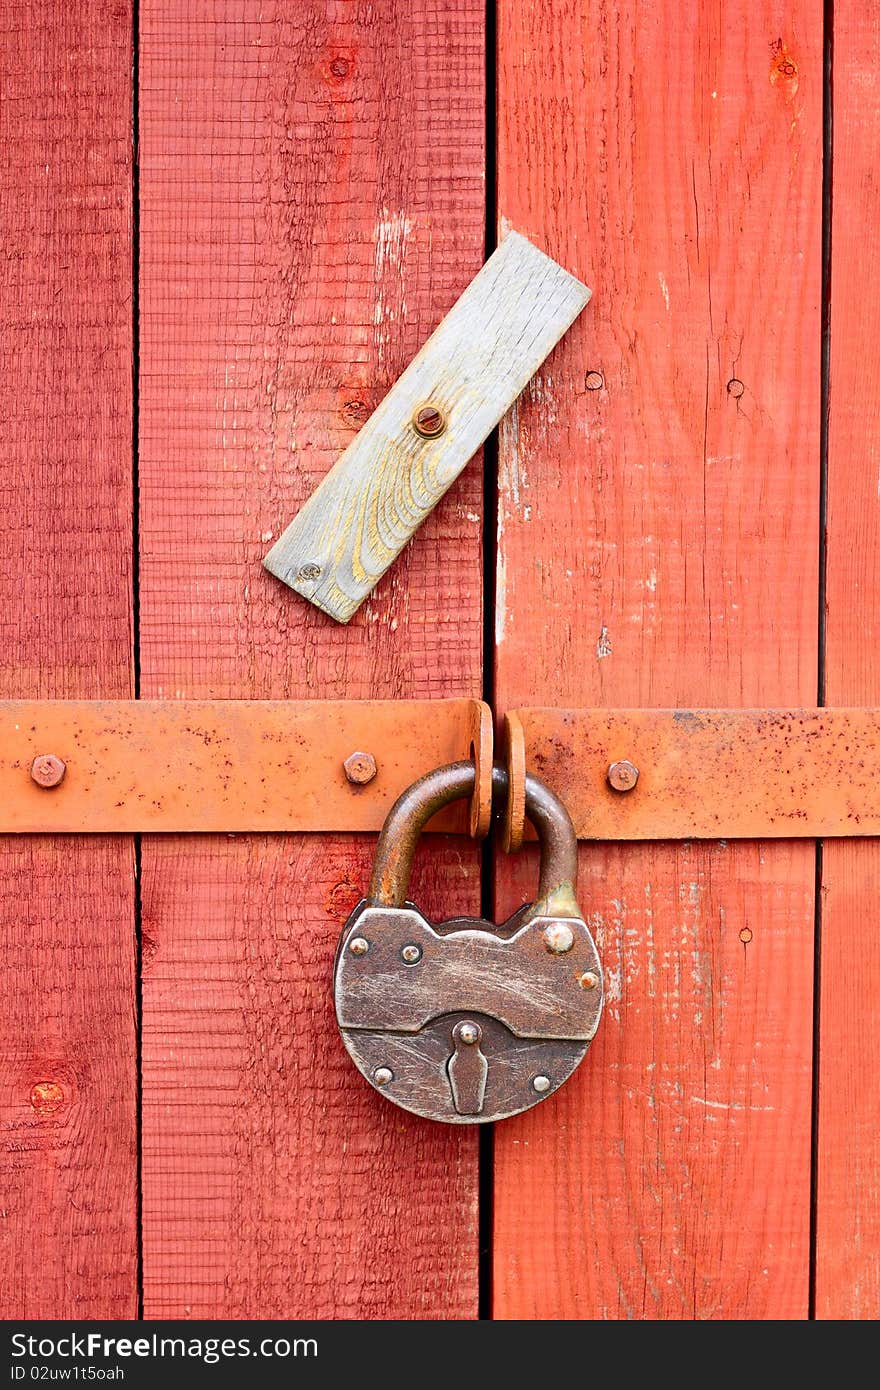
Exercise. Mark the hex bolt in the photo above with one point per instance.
(47, 770)
(469, 1033)
(429, 422)
(359, 946)
(541, 1084)
(411, 954)
(360, 768)
(623, 775)
(382, 1076)
(588, 980)
(558, 937)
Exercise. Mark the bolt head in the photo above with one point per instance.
(383, 1075)
(360, 768)
(558, 938)
(47, 770)
(623, 775)
(469, 1033)
(588, 980)
(411, 954)
(541, 1084)
(429, 422)
(359, 946)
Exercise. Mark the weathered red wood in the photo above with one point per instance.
(658, 546)
(312, 204)
(848, 1177)
(68, 1240)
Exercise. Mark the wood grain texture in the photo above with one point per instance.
(312, 205)
(658, 525)
(848, 1179)
(471, 370)
(68, 1240)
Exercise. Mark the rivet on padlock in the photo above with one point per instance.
(464, 1021)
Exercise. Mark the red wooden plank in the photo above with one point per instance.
(848, 1179)
(658, 524)
(312, 201)
(67, 1043)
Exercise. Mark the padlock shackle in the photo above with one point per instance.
(557, 878)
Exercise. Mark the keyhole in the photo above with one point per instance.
(467, 1068)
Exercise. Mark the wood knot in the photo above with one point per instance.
(46, 1097)
(783, 68)
(343, 898)
(355, 412)
(337, 68)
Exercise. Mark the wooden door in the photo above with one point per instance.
(209, 282)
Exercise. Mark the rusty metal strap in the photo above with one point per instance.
(228, 765)
(711, 774)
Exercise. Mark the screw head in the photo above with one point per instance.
(411, 954)
(541, 1084)
(594, 381)
(308, 572)
(429, 422)
(735, 388)
(359, 946)
(360, 768)
(588, 980)
(47, 770)
(558, 937)
(382, 1076)
(469, 1033)
(623, 775)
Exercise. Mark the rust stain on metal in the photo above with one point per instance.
(224, 765)
(712, 774)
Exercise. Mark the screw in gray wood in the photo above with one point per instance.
(429, 422)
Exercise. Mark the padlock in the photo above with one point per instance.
(465, 1021)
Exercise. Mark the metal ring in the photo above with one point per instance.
(414, 808)
(515, 758)
(482, 737)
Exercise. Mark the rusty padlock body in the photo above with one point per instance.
(465, 1021)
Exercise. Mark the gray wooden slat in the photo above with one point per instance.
(472, 369)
